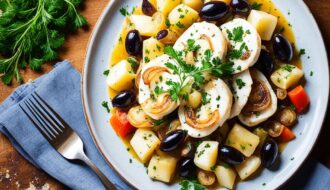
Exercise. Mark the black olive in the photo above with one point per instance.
(162, 34)
(230, 155)
(133, 43)
(214, 11)
(173, 140)
(282, 48)
(124, 99)
(269, 153)
(148, 8)
(187, 168)
(241, 7)
(265, 62)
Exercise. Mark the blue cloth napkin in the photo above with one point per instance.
(61, 90)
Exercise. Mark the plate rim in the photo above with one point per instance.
(88, 50)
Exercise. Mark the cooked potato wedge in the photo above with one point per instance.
(286, 76)
(243, 140)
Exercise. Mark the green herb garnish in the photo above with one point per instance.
(256, 6)
(240, 83)
(106, 106)
(32, 31)
(186, 71)
(191, 185)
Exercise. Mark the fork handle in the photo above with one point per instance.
(107, 184)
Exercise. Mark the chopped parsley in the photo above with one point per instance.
(191, 185)
(236, 35)
(288, 68)
(134, 63)
(192, 46)
(106, 106)
(201, 153)
(179, 24)
(146, 59)
(130, 160)
(207, 145)
(240, 83)
(106, 72)
(302, 52)
(124, 11)
(205, 100)
(256, 6)
(158, 90)
(311, 73)
(167, 22)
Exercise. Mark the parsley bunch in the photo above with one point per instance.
(32, 30)
(187, 71)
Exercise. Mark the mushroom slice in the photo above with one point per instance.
(208, 36)
(262, 102)
(137, 117)
(241, 86)
(153, 96)
(209, 116)
(244, 41)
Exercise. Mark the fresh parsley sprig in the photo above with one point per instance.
(187, 71)
(31, 32)
(191, 185)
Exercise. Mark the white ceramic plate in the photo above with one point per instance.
(94, 92)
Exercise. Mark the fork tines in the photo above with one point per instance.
(47, 121)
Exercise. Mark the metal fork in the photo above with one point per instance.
(58, 133)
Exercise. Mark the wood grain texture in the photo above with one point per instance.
(17, 173)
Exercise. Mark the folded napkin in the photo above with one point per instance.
(61, 90)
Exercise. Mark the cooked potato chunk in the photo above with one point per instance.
(264, 23)
(182, 17)
(195, 4)
(121, 76)
(162, 167)
(144, 142)
(226, 176)
(112, 93)
(148, 26)
(286, 76)
(206, 155)
(248, 167)
(165, 6)
(243, 140)
(119, 51)
(226, 1)
(152, 48)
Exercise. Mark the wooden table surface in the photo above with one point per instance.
(17, 173)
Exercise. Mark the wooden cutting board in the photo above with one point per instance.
(17, 173)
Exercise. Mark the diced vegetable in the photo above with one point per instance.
(144, 142)
(299, 98)
(243, 140)
(182, 17)
(194, 4)
(226, 176)
(206, 155)
(165, 6)
(119, 52)
(121, 76)
(286, 135)
(112, 93)
(148, 26)
(248, 167)
(120, 123)
(286, 76)
(264, 23)
(162, 167)
(152, 48)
